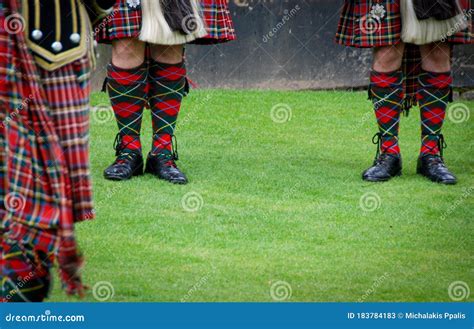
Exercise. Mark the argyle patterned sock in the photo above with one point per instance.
(386, 92)
(128, 94)
(433, 96)
(168, 86)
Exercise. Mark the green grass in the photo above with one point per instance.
(281, 201)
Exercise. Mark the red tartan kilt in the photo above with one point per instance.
(125, 22)
(26, 273)
(357, 30)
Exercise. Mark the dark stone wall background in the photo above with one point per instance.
(297, 53)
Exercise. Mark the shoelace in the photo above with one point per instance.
(441, 143)
(119, 150)
(174, 149)
(167, 159)
(380, 157)
(377, 139)
(118, 147)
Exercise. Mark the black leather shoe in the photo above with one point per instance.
(385, 167)
(127, 165)
(164, 167)
(433, 167)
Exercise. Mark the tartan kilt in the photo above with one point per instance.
(357, 29)
(45, 181)
(125, 22)
(26, 273)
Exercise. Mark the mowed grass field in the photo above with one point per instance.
(277, 210)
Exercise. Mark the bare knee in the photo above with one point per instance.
(436, 57)
(387, 59)
(128, 53)
(167, 54)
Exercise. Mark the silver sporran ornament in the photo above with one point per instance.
(133, 3)
(378, 11)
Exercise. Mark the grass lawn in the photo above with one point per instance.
(270, 202)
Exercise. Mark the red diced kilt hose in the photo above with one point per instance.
(125, 22)
(44, 153)
(356, 30)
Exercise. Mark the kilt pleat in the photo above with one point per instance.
(25, 273)
(44, 150)
(125, 22)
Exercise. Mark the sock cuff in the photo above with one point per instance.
(154, 63)
(127, 76)
(392, 79)
(165, 71)
(439, 80)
